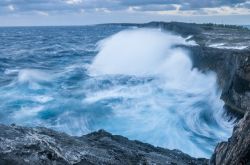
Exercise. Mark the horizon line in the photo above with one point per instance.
(109, 23)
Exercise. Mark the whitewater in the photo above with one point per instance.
(138, 83)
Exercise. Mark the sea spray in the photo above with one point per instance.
(142, 53)
(162, 100)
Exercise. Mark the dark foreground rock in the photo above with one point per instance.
(237, 150)
(22, 146)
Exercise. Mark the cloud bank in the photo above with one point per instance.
(123, 7)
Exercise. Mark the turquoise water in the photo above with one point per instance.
(134, 83)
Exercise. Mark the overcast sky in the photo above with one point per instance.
(82, 12)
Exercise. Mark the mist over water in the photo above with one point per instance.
(133, 82)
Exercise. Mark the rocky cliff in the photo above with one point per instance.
(22, 146)
(224, 49)
(237, 150)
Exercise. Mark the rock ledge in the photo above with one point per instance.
(24, 145)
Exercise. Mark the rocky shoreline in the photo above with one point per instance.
(22, 145)
(223, 49)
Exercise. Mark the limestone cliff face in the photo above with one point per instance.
(238, 92)
(236, 151)
(233, 72)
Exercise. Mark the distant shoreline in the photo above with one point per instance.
(132, 23)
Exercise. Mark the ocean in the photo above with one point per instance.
(129, 81)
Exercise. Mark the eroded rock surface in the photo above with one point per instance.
(237, 150)
(22, 146)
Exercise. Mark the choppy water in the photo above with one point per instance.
(135, 83)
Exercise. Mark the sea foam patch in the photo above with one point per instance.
(225, 46)
(32, 75)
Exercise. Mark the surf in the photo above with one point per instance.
(156, 95)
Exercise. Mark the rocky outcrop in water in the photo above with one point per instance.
(237, 150)
(22, 146)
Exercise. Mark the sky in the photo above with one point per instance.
(88, 12)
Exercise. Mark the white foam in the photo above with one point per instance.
(27, 112)
(142, 53)
(189, 37)
(224, 46)
(10, 71)
(33, 75)
(42, 98)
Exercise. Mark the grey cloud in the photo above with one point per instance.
(196, 4)
(53, 5)
(90, 5)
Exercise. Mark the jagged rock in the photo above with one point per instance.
(23, 145)
(237, 150)
(233, 72)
